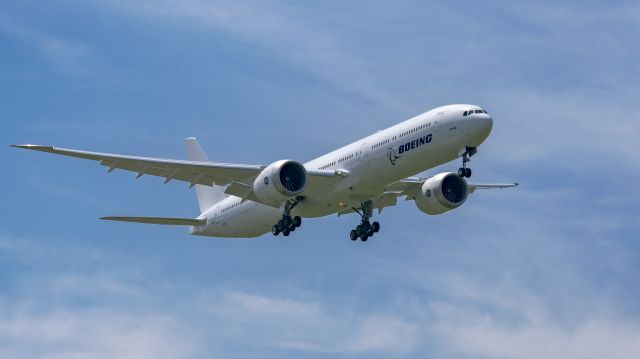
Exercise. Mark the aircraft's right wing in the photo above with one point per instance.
(238, 177)
(160, 220)
(193, 172)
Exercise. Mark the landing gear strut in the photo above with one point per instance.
(365, 229)
(466, 157)
(287, 224)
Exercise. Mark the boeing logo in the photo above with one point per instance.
(393, 156)
(415, 143)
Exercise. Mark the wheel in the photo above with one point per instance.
(366, 226)
(375, 226)
(292, 228)
(280, 225)
(467, 172)
(353, 235)
(364, 238)
(359, 230)
(274, 230)
(370, 233)
(462, 172)
(297, 221)
(285, 233)
(287, 221)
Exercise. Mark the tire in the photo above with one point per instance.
(359, 230)
(280, 225)
(375, 226)
(462, 172)
(353, 235)
(467, 173)
(370, 233)
(364, 238)
(292, 228)
(297, 221)
(274, 230)
(285, 233)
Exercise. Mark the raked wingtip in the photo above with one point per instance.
(34, 147)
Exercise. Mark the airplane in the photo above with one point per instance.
(245, 200)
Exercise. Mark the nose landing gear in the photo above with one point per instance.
(365, 229)
(466, 157)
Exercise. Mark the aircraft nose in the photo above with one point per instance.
(487, 124)
(481, 126)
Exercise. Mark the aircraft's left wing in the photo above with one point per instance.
(411, 186)
(193, 172)
(474, 186)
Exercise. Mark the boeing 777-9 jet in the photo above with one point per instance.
(240, 200)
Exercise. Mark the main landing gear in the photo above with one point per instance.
(464, 171)
(287, 224)
(365, 229)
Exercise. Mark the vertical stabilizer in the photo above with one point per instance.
(207, 196)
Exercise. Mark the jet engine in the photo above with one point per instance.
(441, 193)
(280, 181)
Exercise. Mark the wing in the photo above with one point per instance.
(194, 172)
(412, 185)
(239, 178)
(160, 220)
(474, 186)
(410, 188)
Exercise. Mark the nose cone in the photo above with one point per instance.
(481, 127)
(487, 126)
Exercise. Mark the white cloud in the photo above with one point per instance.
(65, 55)
(596, 339)
(285, 30)
(382, 333)
(92, 334)
(515, 323)
(308, 325)
(97, 315)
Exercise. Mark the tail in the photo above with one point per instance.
(207, 196)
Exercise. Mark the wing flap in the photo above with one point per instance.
(160, 220)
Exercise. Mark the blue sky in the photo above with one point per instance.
(549, 269)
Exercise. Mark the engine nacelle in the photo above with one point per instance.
(280, 181)
(442, 192)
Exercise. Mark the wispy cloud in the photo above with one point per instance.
(66, 191)
(92, 333)
(71, 57)
(308, 325)
(518, 324)
(285, 30)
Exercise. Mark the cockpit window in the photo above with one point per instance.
(471, 112)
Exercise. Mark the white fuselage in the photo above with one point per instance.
(406, 149)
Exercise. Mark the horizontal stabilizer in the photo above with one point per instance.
(160, 220)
